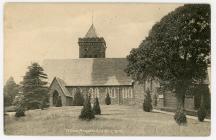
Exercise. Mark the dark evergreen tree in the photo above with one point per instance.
(176, 51)
(34, 86)
(147, 104)
(107, 99)
(87, 112)
(78, 98)
(201, 113)
(96, 107)
(11, 89)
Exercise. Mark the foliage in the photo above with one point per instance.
(96, 107)
(107, 99)
(87, 112)
(19, 101)
(35, 88)
(11, 89)
(176, 51)
(78, 98)
(180, 117)
(147, 106)
(201, 113)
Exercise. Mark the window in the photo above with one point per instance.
(131, 92)
(113, 93)
(97, 92)
(123, 92)
(91, 92)
(73, 91)
(126, 92)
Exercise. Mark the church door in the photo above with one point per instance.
(56, 99)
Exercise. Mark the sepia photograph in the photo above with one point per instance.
(107, 69)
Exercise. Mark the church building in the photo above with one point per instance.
(91, 73)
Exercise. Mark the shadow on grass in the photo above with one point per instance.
(114, 114)
(154, 112)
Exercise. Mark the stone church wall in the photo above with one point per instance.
(118, 94)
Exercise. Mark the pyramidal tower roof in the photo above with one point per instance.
(91, 32)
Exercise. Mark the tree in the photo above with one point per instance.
(19, 102)
(176, 52)
(107, 99)
(78, 98)
(204, 102)
(34, 86)
(96, 107)
(87, 112)
(11, 89)
(147, 104)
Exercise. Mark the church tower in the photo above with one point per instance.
(92, 46)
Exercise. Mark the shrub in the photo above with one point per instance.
(180, 118)
(96, 107)
(19, 102)
(201, 113)
(147, 106)
(107, 99)
(20, 107)
(78, 98)
(20, 112)
(87, 112)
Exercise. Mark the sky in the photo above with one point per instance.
(34, 32)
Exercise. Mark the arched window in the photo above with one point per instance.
(123, 92)
(131, 92)
(91, 92)
(74, 90)
(112, 92)
(126, 92)
(97, 92)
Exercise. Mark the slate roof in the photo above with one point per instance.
(88, 71)
(91, 32)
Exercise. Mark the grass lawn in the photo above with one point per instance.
(115, 121)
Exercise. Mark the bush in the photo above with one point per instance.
(180, 118)
(96, 107)
(201, 113)
(19, 103)
(107, 99)
(78, 98)
(87, 112)
(20, 109)
(147, 106)
(20, 112)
